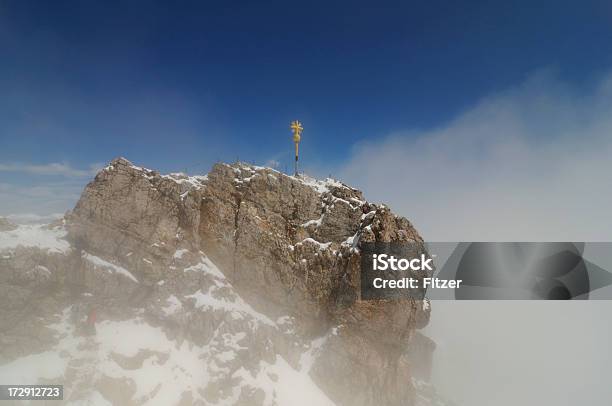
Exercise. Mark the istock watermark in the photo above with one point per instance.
(486, 270)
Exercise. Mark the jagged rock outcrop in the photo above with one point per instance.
(242, 250)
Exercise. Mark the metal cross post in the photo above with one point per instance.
(297, 128)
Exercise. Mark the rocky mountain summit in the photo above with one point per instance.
(240, 287)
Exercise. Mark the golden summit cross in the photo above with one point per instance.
(297, 129)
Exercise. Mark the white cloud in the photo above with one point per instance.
(530, 163)
(51, 169)
(22, 193)
(513, 352)
(42, 198)
(31, 218)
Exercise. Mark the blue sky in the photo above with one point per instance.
(178, 87)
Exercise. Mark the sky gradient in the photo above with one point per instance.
(177, 88)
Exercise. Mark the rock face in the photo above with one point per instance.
(243, 250)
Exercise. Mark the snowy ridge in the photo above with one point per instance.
(51, 239)
(187, 182)
(320, 186)
(194, 181)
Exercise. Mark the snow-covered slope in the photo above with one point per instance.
(144, 365)
(136, 358)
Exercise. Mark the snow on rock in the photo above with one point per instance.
(320, 186)
(183, 179)
(39, 272)
(157, 382)
(162, 370)
(234, 305)
(322, 246)
(30, 369)
(94, 398)
(220, 295)
(179, 253)
(206, 266)
(353, 240)
(159, 370)
(309, 356)
(40, 236)
(112, 268)
(280, 383)
(173, 305)
(316, 223)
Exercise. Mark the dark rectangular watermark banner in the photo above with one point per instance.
(486, 270)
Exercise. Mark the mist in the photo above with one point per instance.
(528, 353)
(530, 163)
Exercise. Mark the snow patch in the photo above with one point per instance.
(94, 398)
(322, 246)
(316, 223)
(173, 306)
(283, 385)
(112, 268)
(40, 236)
(28, 370)
(179, 253)
(206, 266)
(236, 306)
(308, 358)
(320, 186)
(193, 182)
(157, 383)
